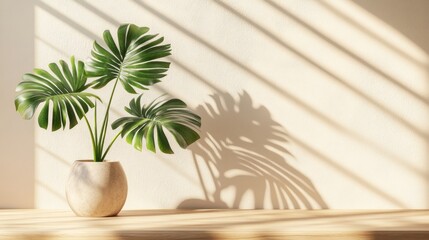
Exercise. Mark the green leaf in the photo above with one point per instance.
(61, 92)
(148, 123)
(133, 59)
(138, 138)
(150, 138)
(44, 116)
(185, 132)
(163, 143)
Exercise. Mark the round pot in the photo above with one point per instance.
(96, 189)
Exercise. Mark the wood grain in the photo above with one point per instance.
(217, 224)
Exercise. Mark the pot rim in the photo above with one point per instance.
(92, 161)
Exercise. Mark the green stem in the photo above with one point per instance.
(94, 145)
(98, 152)
(95, 119)
(105, 121)
(110, 145)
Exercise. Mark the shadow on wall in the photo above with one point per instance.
(411, 19)
(408, 17)
(244, 150)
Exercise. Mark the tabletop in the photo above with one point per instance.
(217, 224)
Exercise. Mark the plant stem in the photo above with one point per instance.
(97, 150)
(110, 145)
(102, 137)
(94, 144)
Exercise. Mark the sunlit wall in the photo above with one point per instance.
(304, 104)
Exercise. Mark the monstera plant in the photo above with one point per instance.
(136, 60)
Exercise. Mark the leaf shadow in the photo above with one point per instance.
(245, 151)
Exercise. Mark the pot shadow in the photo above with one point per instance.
(244, 150)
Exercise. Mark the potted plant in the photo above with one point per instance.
(98, 187)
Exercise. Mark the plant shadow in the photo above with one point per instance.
(244, 151)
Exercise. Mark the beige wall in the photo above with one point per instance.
(16, 136)
(305, 104)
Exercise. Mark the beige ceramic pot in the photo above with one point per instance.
(96, 189)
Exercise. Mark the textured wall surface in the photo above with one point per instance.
(304, 104)
(17, 146)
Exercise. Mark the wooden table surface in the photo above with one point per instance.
(217, 224)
